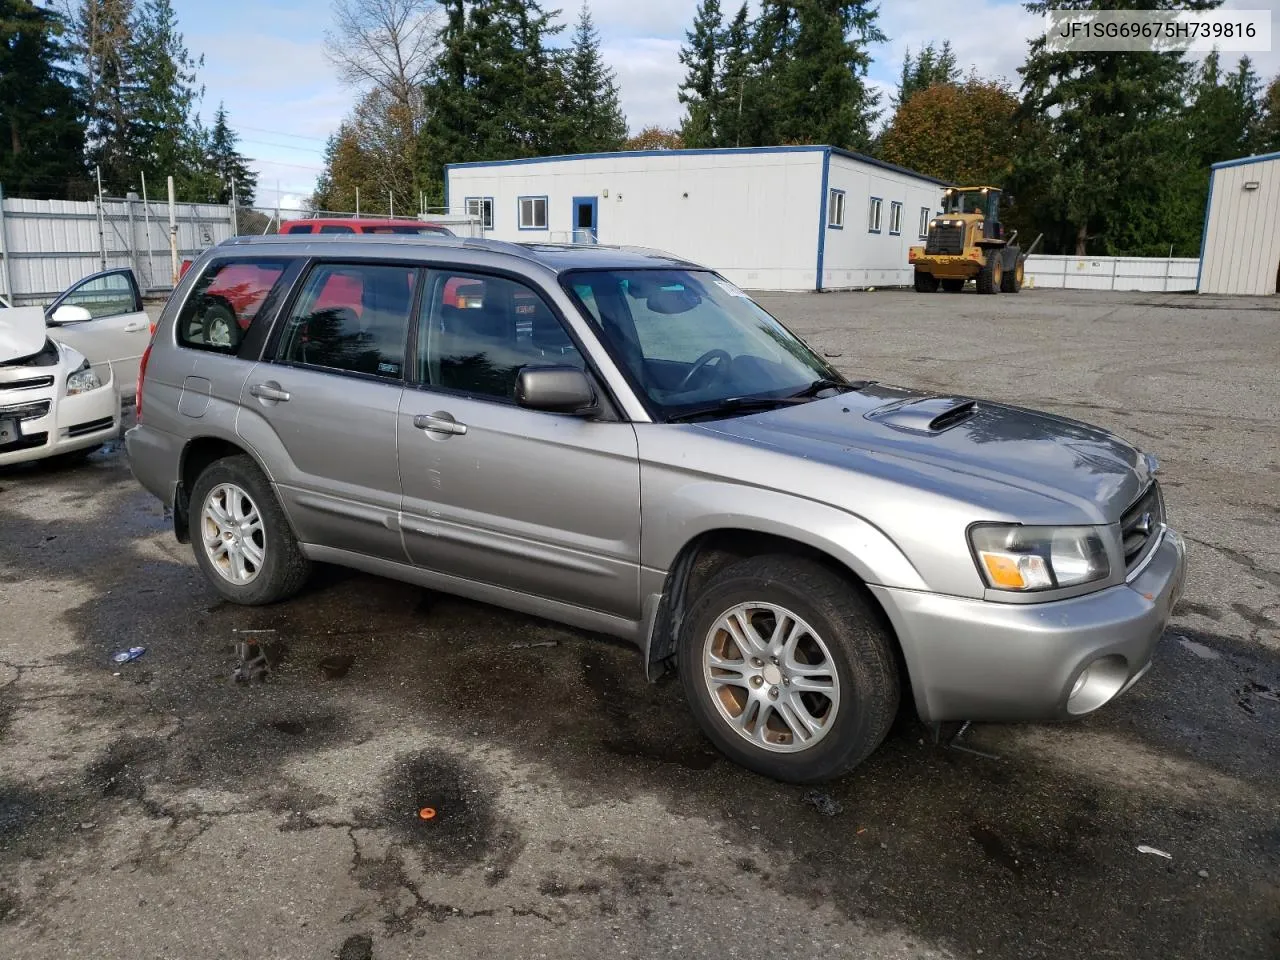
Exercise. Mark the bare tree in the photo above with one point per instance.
(386, 45)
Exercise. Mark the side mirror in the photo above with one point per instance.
(555, 390)
(69, 313)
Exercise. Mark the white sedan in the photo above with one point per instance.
(102, 317)
(53, 401)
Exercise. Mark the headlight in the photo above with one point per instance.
(82, 380)
(1039, 558)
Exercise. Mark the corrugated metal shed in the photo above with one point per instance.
(1240, 249)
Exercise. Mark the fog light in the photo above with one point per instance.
(1080, 682)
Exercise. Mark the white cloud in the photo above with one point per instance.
(640, 18)
(986, 35)
(648, 72)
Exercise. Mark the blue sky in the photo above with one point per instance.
(265, 59)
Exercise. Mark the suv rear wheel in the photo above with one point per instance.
(240, 536)
(788, 669)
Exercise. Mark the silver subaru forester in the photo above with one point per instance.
(628, 443)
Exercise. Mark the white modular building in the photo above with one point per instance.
(767, 218)
(1240, 247)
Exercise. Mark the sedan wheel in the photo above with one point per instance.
(234, 537)
(771, 676)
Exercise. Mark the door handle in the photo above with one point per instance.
(269, 391)
(135, 327)
(439, 425)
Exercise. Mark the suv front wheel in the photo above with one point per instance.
(788, 670)
(240, 536)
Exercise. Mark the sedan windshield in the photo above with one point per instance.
(696, 345)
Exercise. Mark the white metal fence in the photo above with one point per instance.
(1159, 274)
(46, 245)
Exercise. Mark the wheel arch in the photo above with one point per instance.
(709, 551)
(197, 454)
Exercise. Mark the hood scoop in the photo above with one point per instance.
(926, 416)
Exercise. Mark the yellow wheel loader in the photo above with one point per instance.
(966, 241)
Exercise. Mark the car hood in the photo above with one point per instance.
(1072, 462)
(22, 332)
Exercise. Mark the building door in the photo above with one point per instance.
(585, 226)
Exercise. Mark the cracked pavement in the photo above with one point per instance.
(159, 809)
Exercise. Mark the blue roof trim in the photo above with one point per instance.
(1243, 161)
(1204, 230)
(721, 151)
(822, 217)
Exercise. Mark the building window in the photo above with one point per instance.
(482, 209)
(873, 215)
(835, 209)
(533, 213)
(895, 218)
(924, 223)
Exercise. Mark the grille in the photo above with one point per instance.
(26, 411)
(945, 240)
(31, 383)
(1140, 523)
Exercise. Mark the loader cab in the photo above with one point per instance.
(981, 202)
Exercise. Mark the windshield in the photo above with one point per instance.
(692, 341)
(965, 201)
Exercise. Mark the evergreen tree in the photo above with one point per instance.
(1266, 130)
(731, 86)
(495, 89)
(929, 66)
(163, 137)
(227, 164)
(1224, 111)
(772, 39)
(1107, 167)
(41, 137)
(596, 122)
(822, 93)
(701, 57)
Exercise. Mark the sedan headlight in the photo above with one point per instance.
(1039, 558)
(82, 380)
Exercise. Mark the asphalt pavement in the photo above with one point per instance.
(481, 784)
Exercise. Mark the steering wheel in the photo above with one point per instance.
(702, 361)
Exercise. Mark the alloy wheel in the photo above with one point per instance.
(235, 539)
(771, 677)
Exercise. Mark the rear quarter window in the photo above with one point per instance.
(227, 300)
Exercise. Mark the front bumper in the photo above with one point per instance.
(72, 423)
(946, 266)
(979, 660)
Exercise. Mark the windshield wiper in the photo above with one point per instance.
(733, 405)
(827, 383)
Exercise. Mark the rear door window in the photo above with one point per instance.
(227, 300)
(335, 228)
(351, 318)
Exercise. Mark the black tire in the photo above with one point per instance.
(953, 285)
(926, 282)
(284, 570)
(861, 651)
(218, 325)
(992, 273)
(1012, 280)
